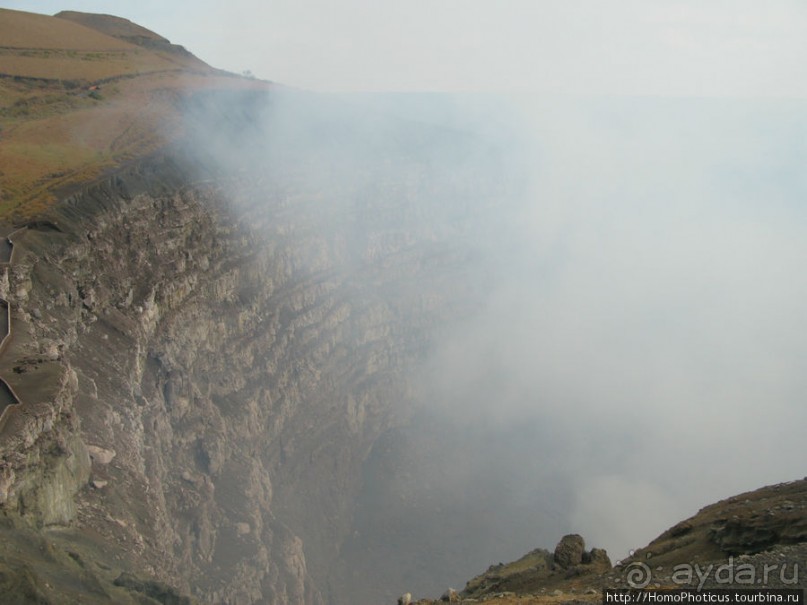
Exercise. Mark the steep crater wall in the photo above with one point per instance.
(204, 368)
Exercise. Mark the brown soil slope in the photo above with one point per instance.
(76, 102)
(117, 27)
(125, 30)
(38, 46)
(24, 30)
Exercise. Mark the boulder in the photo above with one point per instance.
(599, 557)
(569, 551)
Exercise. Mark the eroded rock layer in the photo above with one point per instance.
(204, 363)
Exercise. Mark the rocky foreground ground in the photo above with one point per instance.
(754, 540)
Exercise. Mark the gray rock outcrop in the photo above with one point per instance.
(569, 551)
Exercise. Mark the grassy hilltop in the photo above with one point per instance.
(83, 93)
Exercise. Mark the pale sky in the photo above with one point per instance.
(620, 47)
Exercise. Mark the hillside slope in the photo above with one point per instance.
(125, 30)
(757, 539)
(75, 101)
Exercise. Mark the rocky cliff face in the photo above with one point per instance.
(204, 363)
